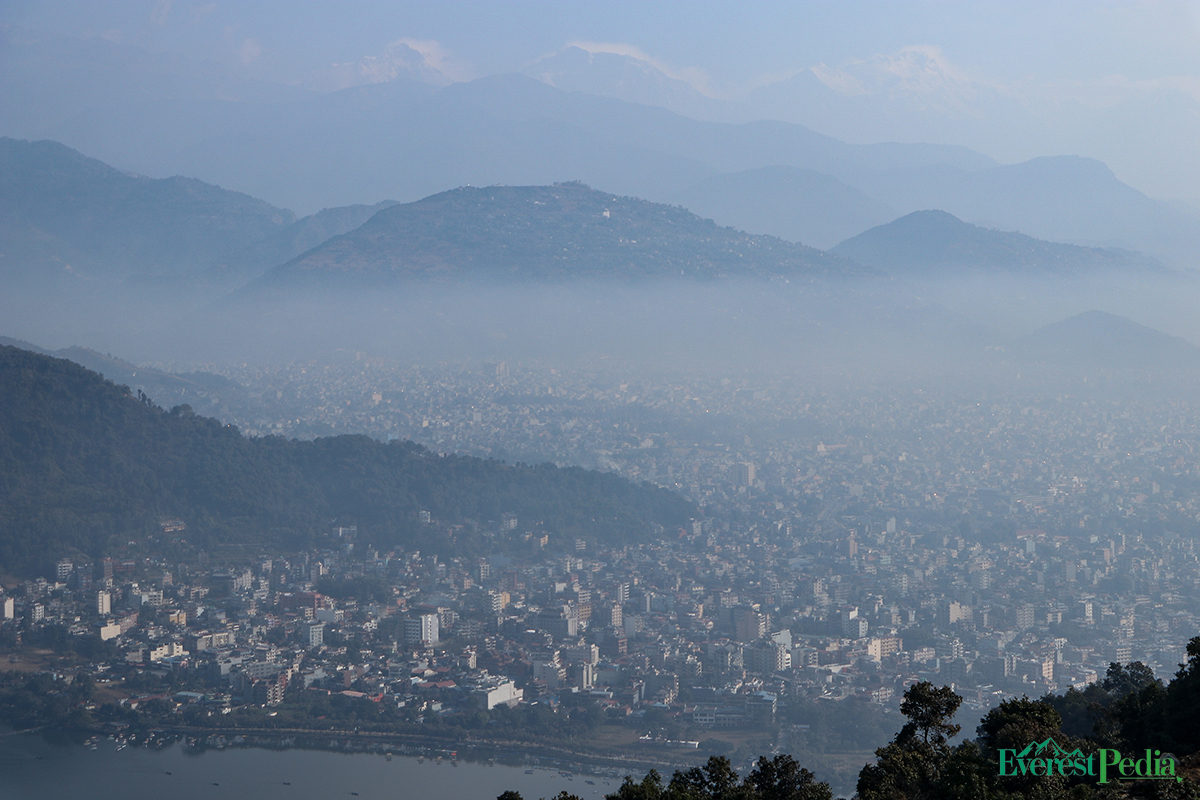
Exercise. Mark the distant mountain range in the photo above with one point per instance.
(409, 138)
(65, 212)
(560, 232)
(69, 216)
(299, 237)
(86, 248)
(64, 215)
(935, 244)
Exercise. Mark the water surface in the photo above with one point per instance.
(34, 767)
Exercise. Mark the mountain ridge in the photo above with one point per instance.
(564, 231)
(165, 387)
(935, 243)
(63, 209)
(87, 464)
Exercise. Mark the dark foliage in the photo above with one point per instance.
(28, 701)
(917, 757)
(778, 778)
(364, 589)
(1130, 710)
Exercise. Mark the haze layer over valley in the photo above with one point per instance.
(552, 273)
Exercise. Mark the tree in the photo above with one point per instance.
(1014, 725)
(1123, 680)
(1085, 714)
(716, 780)
(1178, 704)
(778, 778)
(1017, 722)
(782, 778)
(910, 766)
(929, 710)
(649, 788)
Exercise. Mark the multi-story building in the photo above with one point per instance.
(315, 633)
(421, 629)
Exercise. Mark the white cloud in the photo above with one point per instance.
(418, 59)
(439, 58)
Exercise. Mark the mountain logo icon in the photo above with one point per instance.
(1048, 749)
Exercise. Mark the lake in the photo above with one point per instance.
(35, 768)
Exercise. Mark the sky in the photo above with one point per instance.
(1118, 81)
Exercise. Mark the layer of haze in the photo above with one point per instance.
(964, 332)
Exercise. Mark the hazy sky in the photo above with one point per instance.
(1119, 81)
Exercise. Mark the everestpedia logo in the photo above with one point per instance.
(1046, 759)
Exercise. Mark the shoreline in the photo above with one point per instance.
(389, 743)
(472, 749)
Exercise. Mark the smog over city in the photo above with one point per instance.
(670, 401)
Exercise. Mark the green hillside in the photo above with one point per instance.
(560, 232)
(84, 464)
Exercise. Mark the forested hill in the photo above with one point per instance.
(937, 244)
(84, 464)
(64, 213)
(567, 231)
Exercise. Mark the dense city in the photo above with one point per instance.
(846, 546)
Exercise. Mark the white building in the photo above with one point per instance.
(505, 693)
(168, 650)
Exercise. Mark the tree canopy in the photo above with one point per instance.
(776, 778)
(1129, 710)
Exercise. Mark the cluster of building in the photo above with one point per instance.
(846, 546)
(715, 625)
